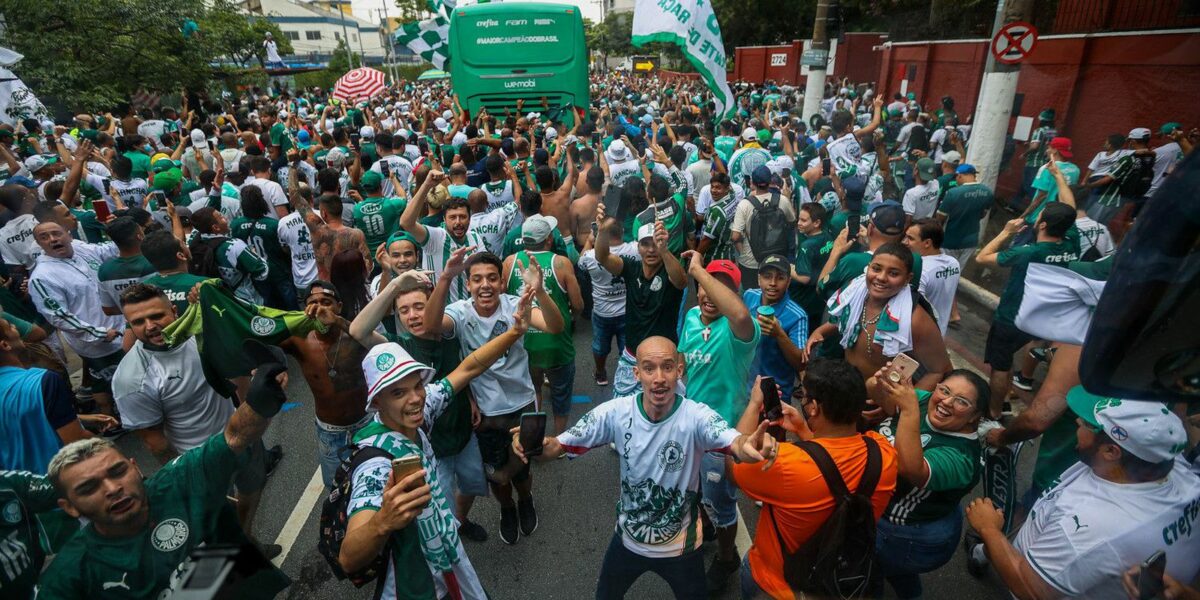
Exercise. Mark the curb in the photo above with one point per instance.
(978, 294)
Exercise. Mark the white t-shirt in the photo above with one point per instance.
(398, 165)
(704, 199)
(1166, 157)
(168, 388)
(272, 191)
(660, 468)
(493, 226)
(499, 194)
(1102, 164)
(845, 153)
(1093, 234)
(19, 248)
(1083, 534)
(920, 201)
(939, 282)
(293, 232)
(608, 290)
(132, 192)
(701, 172)
(619, 172)
(505, 387)
(272, 51)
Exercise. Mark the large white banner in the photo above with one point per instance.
(692, 25)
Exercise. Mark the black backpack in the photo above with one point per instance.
(1137, 181)
(770, 231)
(334, 517)
(204, 256)
(918, 139)
(838, 561)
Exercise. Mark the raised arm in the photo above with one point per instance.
(409, 219)
(728, 302)
(675, 271)
(547, 316)
(611, 262)
(435, 309)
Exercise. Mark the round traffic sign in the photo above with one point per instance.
(1014, 42)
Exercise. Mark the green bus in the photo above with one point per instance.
(506, 51)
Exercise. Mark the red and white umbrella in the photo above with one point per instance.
(359, 84)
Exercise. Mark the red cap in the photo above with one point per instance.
(1063, 145)
(727, 268)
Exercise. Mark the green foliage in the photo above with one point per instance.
(93, 54)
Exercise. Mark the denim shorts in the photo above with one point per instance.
(562, 385)
(906, 551)
(333, 445)
(604, 329)
(463, 472)
(750, 588)
(718, 490)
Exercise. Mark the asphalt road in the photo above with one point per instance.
(576, 503)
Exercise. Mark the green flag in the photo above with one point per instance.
(428, 39)
(693, 27)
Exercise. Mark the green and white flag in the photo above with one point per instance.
(428, 39)
(443, 7)
(691, 25)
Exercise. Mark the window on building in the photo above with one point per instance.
(354, 37)
(337, 36)
(292, 35)
(312, 35)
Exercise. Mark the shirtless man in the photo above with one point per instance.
(555, 201)
(332, 366)
(333, 235)
(583, 209)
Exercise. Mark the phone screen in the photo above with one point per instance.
(385, 167)
(852, 225)
(772, 406)
(1150, 578)
(826, 167)
(533, 432)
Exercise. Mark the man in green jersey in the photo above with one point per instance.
(141, 531)
(961, 211)
(812, 250)
(128, 268)
(169, 256)
(376, 216)
(551, 355)
(260, 231)
(716, 240)
(29, 503)
(718, 342)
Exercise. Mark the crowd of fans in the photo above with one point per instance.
(778, 295)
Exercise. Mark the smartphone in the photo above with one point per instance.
(853, 222)
(158, 196)
(533, 432)
(826, 167)
(385, 168)
(596, 138)
(1150, 578)
(100, 207)
(406, 465)
(212, 145)
(903, 366)
(772, 406)
(354, 137)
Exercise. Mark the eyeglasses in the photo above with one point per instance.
(959, 401)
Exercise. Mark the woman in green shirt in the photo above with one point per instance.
(938, 456)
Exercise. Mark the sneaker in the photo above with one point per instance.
(601, 379)
(971, 545)
(719, 572)
(472, 531)
(527, 515)
(1022, 383)
(274, 456)
(509, 532)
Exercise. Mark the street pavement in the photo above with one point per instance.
(576, 502)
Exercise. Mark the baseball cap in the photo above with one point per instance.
(335, 158)
(441, 125)
(371, 181)
(965, 169)
(1063, 145)
(888, 218)
(324, 286)
(1168, 128)
(727, 268)
(538, 228)
(1139, 133)
(1057, 214)
(551, 133)
(646, 231)
(777, 262)
(37, 162)
(952, 157)
(761, 175)
(388, 363)
(647, 119)
(367, 132)
(749, 134)
(925, 168)
(163, 164)
(167, 180)
(1144, 428)
(198, 139)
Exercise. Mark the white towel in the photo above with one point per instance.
(845, 309)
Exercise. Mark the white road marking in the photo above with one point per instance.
(295, 522)
(742, 540)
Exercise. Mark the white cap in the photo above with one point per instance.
(538, 229)
(441, 124)
(198, 139)
(378, 110)
(645, 231)
(388, 363)
(533, 115)
(367, 132)
(447, 115)
(749, 134)
(37, 162)
(952, 157)
(1144, 428)
(551, 133)
(283, 115)
(336, 158)
(1139, 133)
(617, 152)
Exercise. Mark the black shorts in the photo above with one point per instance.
(495, 439)
(100, 371)
(1003, 341)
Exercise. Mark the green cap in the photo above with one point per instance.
(764, 136)
(163, 164)
(925, 168)
(167, 180)
(1168, 128)
(371, 181)
(1046, 115)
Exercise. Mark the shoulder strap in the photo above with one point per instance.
(754, 201)
(829, 470)
(362, 454)
(873, 470)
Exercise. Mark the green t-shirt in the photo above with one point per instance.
(378, 218)
(718, 363)
(452, 429)
(1045, 182)
(1037, 157)
(93, 231)
(176, 286)
(854, 264)
(811, 254)
(546, 350)
(945, 182)
(1056, 451)
(26, 500)
(368, 150)
(1018, 259)
(118, 273)
(674, 214)
(725, 145)
(279, 137)
(954, 469)
(964, 206)
(187, 507)
(141, 165)
(263, 236)
(651, 304)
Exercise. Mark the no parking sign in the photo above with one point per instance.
(1014, 42)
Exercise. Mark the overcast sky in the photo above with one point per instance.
(371, 10)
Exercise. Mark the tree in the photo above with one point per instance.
(93, 54)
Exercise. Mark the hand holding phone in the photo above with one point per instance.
(1150, 577)
(406, 465)
(100, 207)
(533, 433)
(772, 406)
(903, 367)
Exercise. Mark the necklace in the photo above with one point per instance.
(333, 364)
(864, 322)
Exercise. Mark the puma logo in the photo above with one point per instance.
(220, 311)
(1078, 525)
(109, 585)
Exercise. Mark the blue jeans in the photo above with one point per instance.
(462, 473)
(604, 329)
(333, 445)
(621, 567)
(562, 384)
(750, 588)
(719, 494)
(906, 551)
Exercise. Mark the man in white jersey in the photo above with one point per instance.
(939, 272)
(503, 187)
(704, 199)
(396, 164)
(660, 437)
(491, 226)
(620, 163)
(1130, 496)
(293, 232)
(608, 299)
(845, 151)
(505, 391)
(438, 243)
